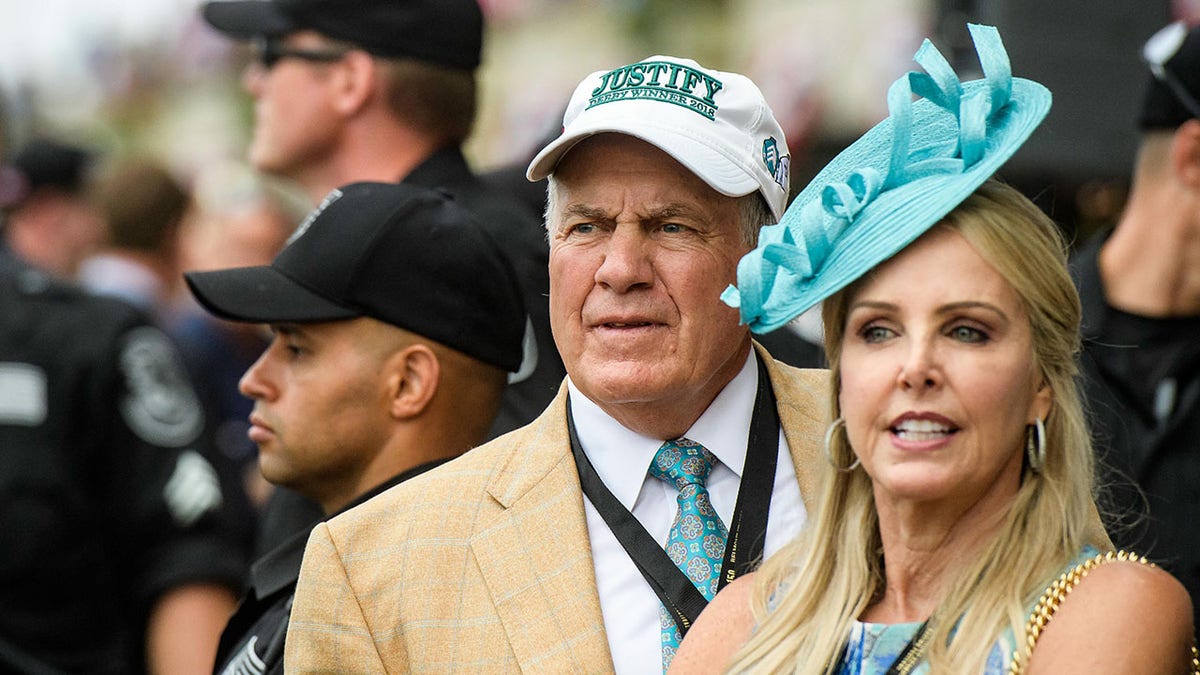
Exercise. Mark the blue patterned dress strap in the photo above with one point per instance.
(873, 647)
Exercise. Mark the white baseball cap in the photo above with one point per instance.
(716, 124)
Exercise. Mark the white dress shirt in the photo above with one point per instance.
(622, 458)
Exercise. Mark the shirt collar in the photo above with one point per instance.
(622, 457)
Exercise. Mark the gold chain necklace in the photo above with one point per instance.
(1054, 596)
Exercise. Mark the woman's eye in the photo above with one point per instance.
(876, 334)
(968, 334)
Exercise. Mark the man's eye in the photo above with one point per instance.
(583, 228)
(673, 228)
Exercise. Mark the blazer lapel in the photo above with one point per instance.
(802, 398)
(535, 555)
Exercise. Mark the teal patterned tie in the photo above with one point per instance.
(696, 543)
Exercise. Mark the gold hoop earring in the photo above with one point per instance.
(1035, 445)
(833, 427)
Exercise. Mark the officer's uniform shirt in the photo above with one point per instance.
(106, 500)
(253, 640)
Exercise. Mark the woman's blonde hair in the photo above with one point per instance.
(821, 582)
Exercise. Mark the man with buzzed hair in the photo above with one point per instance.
(395, 318)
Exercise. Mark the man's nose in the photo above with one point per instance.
(626, 263)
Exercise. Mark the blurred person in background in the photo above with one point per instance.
(1140, 287)
(117, 552)
(385, 90)
(388, 359)
(49, 220)
(143, 207)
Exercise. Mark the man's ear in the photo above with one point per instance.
(1185, 153)
(413, 377)
(355, 81)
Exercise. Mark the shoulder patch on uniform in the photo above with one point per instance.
(23, 398)
(193, 489)
(160, 405)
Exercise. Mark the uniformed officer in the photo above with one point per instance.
(116, 546)
(410, 104)
(395, 318)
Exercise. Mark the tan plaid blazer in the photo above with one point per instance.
(484, 564)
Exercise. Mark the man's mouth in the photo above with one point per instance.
(629, 324)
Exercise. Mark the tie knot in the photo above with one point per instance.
(682, 462)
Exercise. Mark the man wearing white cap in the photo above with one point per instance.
(674, 456)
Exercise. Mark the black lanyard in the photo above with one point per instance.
(747, 529)
(913, 651)
(907, 659)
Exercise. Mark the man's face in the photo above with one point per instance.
(295, 124)
(82, 230)
(640, 250)
(320, 406)
(67, 229)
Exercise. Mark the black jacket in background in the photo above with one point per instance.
(1142, 389)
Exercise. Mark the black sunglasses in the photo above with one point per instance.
(1159, 49)
(268, 51)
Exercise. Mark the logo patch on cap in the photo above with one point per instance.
(330, 198)
(659, 81)
(779, 165)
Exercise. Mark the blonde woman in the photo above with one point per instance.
(960, 477)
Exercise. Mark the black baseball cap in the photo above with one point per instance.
(404, 255)
(1173, 89)
(44, 163)
(445, 32)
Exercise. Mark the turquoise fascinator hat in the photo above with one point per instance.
(893, 184)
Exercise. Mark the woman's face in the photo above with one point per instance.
(938, 380)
